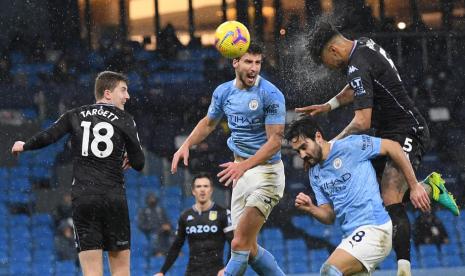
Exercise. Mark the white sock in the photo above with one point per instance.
(403, 268)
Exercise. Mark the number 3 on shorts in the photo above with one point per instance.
(407, 145)
(358, 236)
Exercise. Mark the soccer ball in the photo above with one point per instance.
(232, 39)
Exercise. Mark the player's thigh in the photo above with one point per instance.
(119, 262)
(87, 222)
(369, 245)
(345, 262)
(269, 188)
(393, 184)
(116, 226)
(245, 235)
(91, 262)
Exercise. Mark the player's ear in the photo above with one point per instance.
(235, 62)
(318, 137)
(107, 94)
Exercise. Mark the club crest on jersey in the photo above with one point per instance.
(212, 215)
(357, 85)
(190, 217)
(337, 163)
(253, 104)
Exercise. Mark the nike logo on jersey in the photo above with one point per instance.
(352, 69)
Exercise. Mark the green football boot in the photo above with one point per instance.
(440, 193)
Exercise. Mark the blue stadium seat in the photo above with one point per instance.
(302, 221)
(295, 245)
(20, 184)
(452, 261)
(40, 172)
(42, 219)
(318, 255)
(430, 262)
(272, 234)
(42, 269)
(20, 220)
(20, 268)
(297, 266)
(65, 268)
(138, 263)
(428, 251)
(450, 249)
(155, 263)
(19, 255)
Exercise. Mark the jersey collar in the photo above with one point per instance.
(353, 48)
(200, 212)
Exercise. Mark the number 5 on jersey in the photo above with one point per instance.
(98, 138)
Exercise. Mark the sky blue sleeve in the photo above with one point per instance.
(366, 147)
(275, 108)
(320, 196)
(215, 110)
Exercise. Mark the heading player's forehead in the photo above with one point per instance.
(248, 57)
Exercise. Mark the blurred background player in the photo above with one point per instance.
(154, 223)
(345, 186)
(100, 133)
(380, 101)
(255, 110)
(207, 227)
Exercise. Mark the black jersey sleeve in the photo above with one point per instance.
(360, 80)
(175, 248)
(135, 154)
(52, 134)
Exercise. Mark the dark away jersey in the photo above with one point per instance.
(100, 136)
(206, 233)
(376, 83)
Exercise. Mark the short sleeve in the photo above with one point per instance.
(215, 110)
(275, 108)
(365, 147)
(359, 79)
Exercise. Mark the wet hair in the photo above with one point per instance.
(201, 175)
(107, 80)
(305, 127)
(319, 37)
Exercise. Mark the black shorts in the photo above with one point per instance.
(211, 270)
(413, 144)
(101, 222)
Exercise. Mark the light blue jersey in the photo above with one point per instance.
(248, 111)
(347, 180)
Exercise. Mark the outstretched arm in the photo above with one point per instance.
(44, 138)
(361, 122)
(345, 97)
(201, 131)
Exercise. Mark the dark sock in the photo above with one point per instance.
(400, 230)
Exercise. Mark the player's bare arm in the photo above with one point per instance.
(418, 194)
(201, 131)
(323, 213)
(233, 171)
(361, 122)
(345, 97)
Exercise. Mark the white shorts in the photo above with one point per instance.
(370, 244)
(261, 187)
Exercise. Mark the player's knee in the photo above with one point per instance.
(329, 270)
(240, 243)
